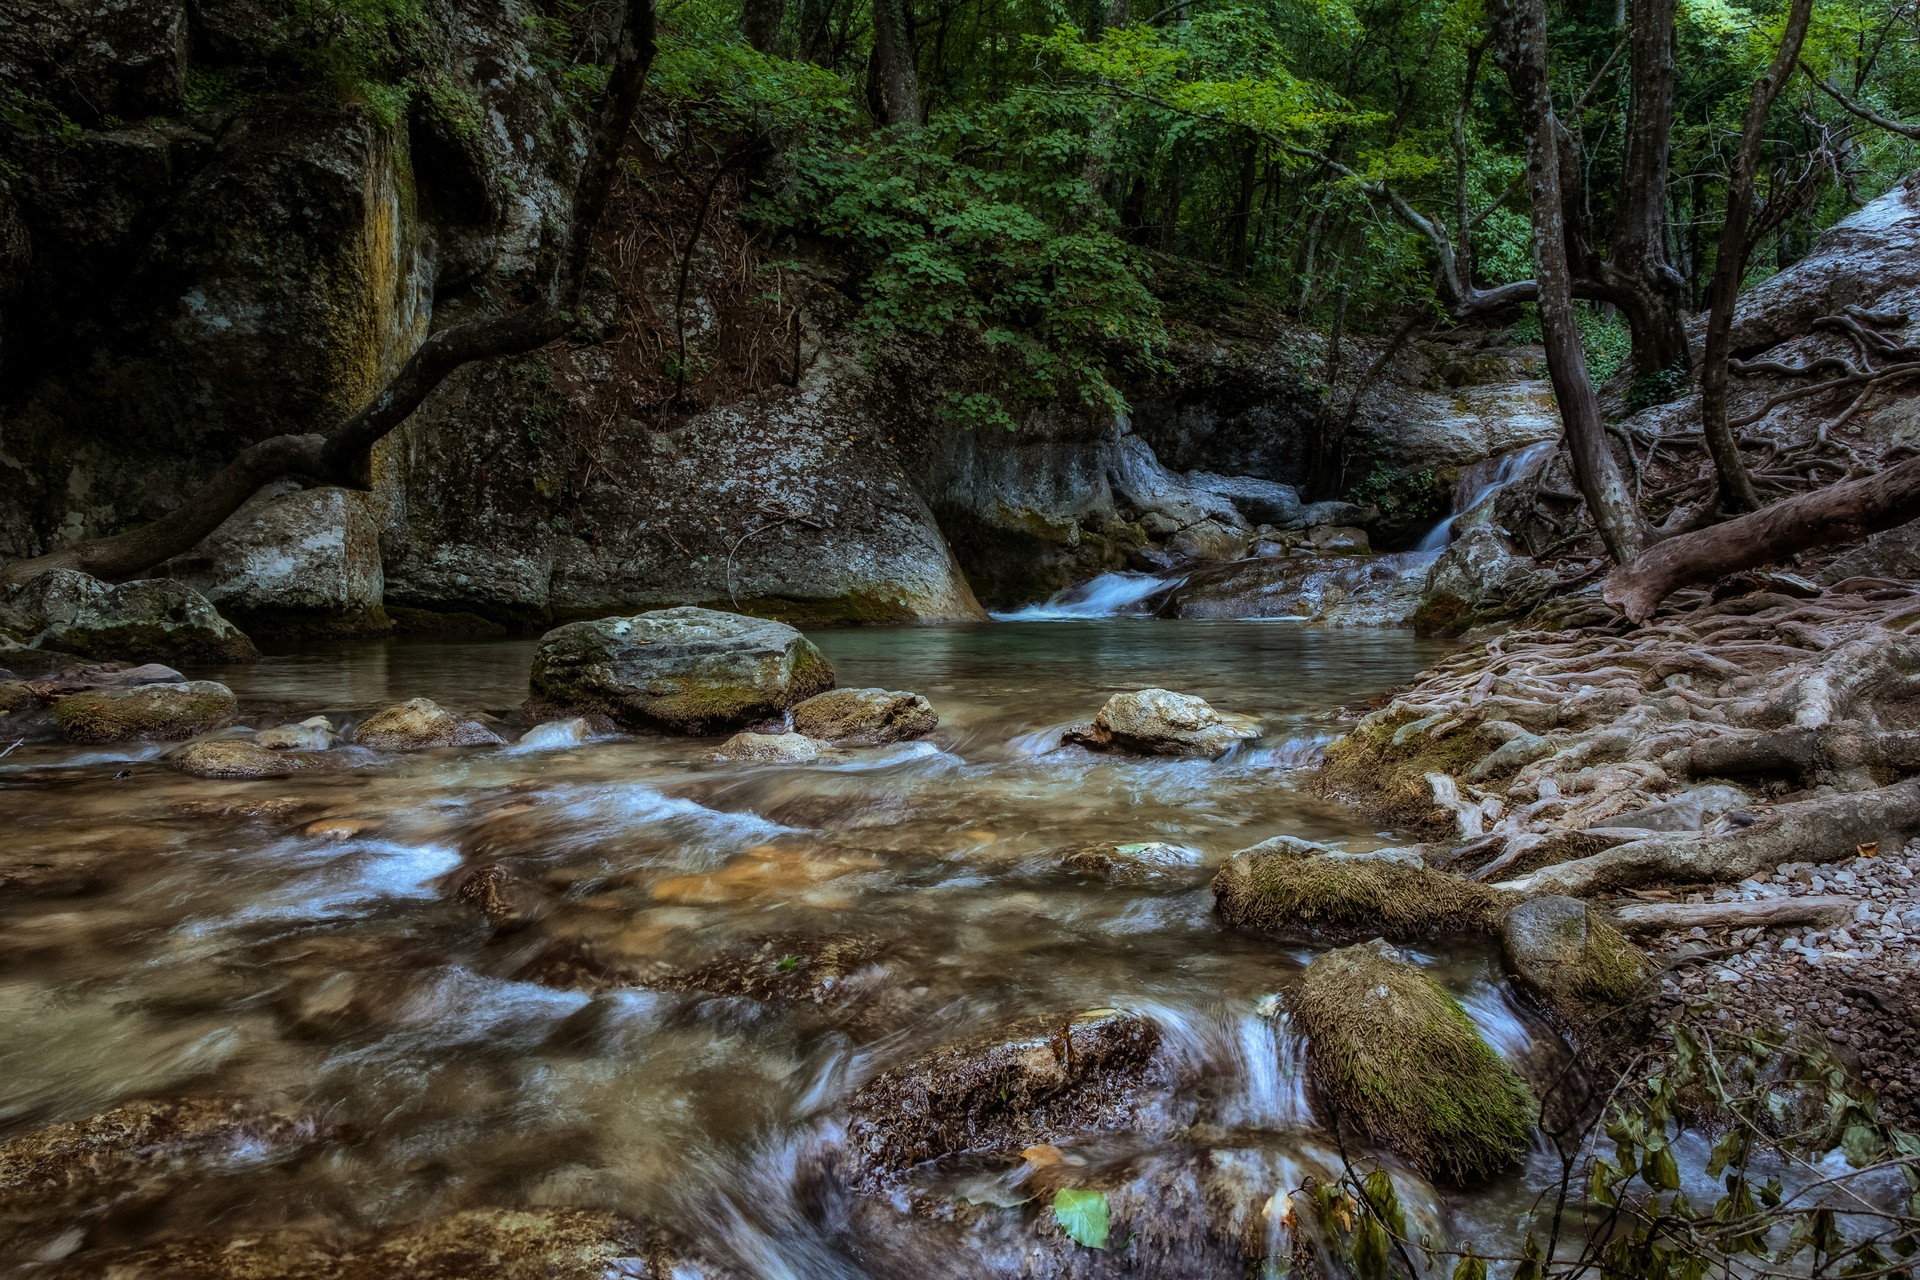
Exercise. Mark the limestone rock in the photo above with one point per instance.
(1590, 980)
(153, 619)
(293, 562)
(1162, 722)
(315, 733)
(1335, 590)
(1479, 579)
(1208, 540)
(153, 712)
(1400, 1057)
(685, 670)
(1032, 1081)
(420, 724)
(768, 748)
(1338, 540)
(1257, 501)
(232, 758)
(865, 717)
(1297, 888)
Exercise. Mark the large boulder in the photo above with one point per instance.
(865, 717)
(293, 562)
(1590, 980)
(420, 724)
(1161, 722)
(1479, 579)
(153, 712)
(1298, 888)
(154, 619)
(685, 670)
(1335, 590)
(1396, 1054)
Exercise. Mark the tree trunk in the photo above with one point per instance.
(338, 456)
(1730, 266)
(1521, 31)
(1838, 513)
(893, 79)
(760, 23)
(1239, 223)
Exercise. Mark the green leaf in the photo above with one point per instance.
(1082, 1215)
(1469, 1268)
(1862, 1145)
(1662, 1173)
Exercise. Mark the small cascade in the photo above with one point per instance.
(1480, 482)
(1254, 1058)
(1111, 595)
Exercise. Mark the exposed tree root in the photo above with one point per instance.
(1673, 917)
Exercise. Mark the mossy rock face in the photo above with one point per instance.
(1300, 889)
(1591, 981)
(1382, 767)
(1395, 1053)
(150, 620)
(151, 713)
(684, 670)
(1442, 616)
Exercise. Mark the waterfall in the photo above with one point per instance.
(1107, 596)
(1480, 482)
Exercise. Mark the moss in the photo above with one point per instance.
(1388, 779)
(1291, 891)
(1393, 1051)
(158, 713)
(156, 642)
(1588, 978)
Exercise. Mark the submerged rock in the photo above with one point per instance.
(154, 619)
(508, 902)
(685, 670)
(865, 717)
(1590, 980)
(1290, 886)
(1034, 1081)
(768, 748)
(1397, 1054)
(1162, 722)
(232, 758)
(420, 724)
(154, 712)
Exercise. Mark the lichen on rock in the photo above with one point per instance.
(147, 620)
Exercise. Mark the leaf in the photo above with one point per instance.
(1862, 1145)
(1662, 1173)
(1082, 1215)
(1469, 1268)
(1043, 1155)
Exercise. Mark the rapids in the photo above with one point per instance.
(294, 939)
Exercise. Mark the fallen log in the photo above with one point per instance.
(1838, 513)
(1770, 913)
(1824, 830)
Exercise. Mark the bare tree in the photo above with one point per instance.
(339, 456)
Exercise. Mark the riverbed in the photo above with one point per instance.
(295, 939)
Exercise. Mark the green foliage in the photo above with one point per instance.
(1082, 1215)
(361, 47)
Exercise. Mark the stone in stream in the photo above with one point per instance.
(1398, 1056)
(1295, 887)
(149, 619)
(1594, 985)
(1132, 862)
(747, 747)
(508, 902)
(312, 734)
(152, 712)
(865, 717)
(232, 758)
(685, 670)
(420, 724)
(1034, 1081)
(1161, 722)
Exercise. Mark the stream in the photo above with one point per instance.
(294, 939)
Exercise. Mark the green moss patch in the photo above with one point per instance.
(1394, 1053)
(1589, 979)
(157, 712)
(1285, 887)
(1384, 771)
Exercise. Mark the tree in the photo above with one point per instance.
(893, 77)
(339, 456)
(760, 23)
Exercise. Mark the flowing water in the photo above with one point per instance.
(294, 939)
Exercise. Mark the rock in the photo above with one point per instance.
(153, 619)
(1208, 540)
(1338, 540)
(17, 696)
(420, 724)
(508, 902)
(1034, 1081)
(49, 879)
(1257, 501)
(1353, 591)
(232, 758)
(103, 1153)
(293, 562)
(865, 717)
(1590, 980)
(153, 712)
(1132, 863)
(820, 969)
(1162, 722)
(1399, 1056)
(312, 734)
(83, 677)
(1478, 579)
(1297, 888)
(768, 748)
(685, 670)
(1382, 763)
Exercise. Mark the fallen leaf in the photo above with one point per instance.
(1043, 1155)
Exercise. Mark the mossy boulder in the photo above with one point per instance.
(151, 713)
(1589, 979)
(865, 717)
(1394, 1053)
(1301, 889)
(1381, 765)
(1164, 723)
(685, 670)
(420, 724)
(154, 619)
